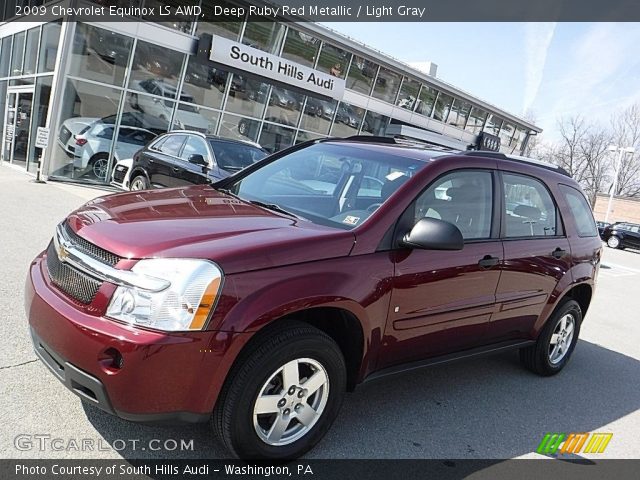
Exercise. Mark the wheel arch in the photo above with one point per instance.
(137, 171)
(581, 292)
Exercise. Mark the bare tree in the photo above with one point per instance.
(593, 149)
(626, 133)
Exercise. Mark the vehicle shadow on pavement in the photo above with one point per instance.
(484, 408)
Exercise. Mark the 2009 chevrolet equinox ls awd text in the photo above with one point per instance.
(255, 303)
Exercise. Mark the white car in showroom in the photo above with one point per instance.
(121, 174)
(92, 146)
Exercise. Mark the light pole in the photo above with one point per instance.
(621, 151)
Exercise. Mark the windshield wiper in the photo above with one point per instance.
(226, 191)
(275, 208)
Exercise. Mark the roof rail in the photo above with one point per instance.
(517, 158)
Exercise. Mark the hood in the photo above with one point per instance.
(199, 222)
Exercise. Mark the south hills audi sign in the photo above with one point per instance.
(249, 59)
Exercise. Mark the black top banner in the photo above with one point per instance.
(335, 10)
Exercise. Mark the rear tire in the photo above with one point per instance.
(556, 342)
(99, 165)
(276, 370)
(139, 182)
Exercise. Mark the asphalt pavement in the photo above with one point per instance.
(482, 408)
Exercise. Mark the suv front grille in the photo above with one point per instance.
(74, 283)
(120, 173)
(90, 249)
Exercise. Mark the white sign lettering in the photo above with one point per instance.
(261, 63)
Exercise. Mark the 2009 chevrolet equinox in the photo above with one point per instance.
(257, 302)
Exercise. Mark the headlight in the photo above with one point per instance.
(184, 305)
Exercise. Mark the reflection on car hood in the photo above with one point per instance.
(199, 222)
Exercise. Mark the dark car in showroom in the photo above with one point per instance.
(622, 235)
(184, 157)
(256, 302)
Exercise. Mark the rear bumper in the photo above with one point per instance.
(163, 377)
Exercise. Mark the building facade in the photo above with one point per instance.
(106, 89)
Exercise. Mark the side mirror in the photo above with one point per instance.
(433, 234)
(198, 159)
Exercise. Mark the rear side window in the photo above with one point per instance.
(172, 145)
(580, 211)
(529, 208)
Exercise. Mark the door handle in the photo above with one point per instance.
(176, 169)
(558, 253)
(488, 261)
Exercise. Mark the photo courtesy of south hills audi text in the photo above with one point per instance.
(237, 234)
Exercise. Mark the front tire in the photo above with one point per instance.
(613, 242)
(282, 395)
(556, 342)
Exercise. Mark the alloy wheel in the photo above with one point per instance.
(561, 339)
(613, 242)
(137, 184)
(100, 168)
(291, 402)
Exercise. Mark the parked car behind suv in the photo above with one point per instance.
(256, 302)
(184, 157)
(622, 235)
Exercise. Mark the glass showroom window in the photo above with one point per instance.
(39, 116)
(374, 124)
(284, 107)
(5, 56)
(361, 75)
(99, 55)
(249, 98)
(301, 47)
(31, 51)
(306, 136)
(459, 113)
(387, 85)
(182, 24)
(133, 114)
(77, 153)
(477, 117)
(264, 35)
(3, 105)
(493, 124)
(17, 55)
(426, 100)
(408, 93)
(230, 30)
(518, 139)
(156, 70)
(333, 60)
(443, 105)
(192, 117)
(49, 47)
(347, 120)
(317, 115)
(506, 134)
(241, 128)
(275, 137)
(204, 84)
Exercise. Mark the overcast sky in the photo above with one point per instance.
(550, 69)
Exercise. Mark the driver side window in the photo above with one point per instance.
(463, 198)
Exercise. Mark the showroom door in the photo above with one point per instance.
(16, 135)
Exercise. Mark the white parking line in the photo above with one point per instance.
(615, 265)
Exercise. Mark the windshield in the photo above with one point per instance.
(338, 185)
(233, 157)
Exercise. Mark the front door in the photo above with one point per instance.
(16, 135)
(442, 301)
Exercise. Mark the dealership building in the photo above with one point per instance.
(104, 89)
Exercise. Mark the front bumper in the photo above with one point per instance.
(163, 376)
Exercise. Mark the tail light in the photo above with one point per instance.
(81, 141)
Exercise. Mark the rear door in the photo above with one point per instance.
(165, 162)
(536, 256)
(442, 300)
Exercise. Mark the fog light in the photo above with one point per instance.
(111, 360)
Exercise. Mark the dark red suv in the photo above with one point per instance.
(256, 302)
